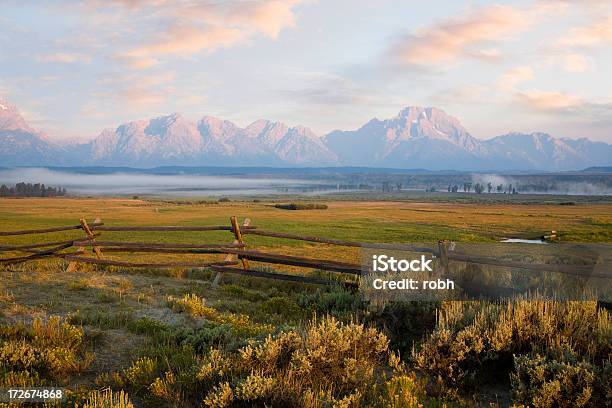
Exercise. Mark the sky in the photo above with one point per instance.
(76, 67)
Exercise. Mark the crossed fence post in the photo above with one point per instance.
(91, 237)
(237, 240)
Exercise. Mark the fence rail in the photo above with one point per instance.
(235, 252)
(44, 230)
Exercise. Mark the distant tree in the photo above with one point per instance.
(31, 190)
(500, 188)
(479, 188)
(489, 187)
(399, 186)
(455, 188)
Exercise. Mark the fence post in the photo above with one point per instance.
(91, 237)
(237, 240)
(443, 253)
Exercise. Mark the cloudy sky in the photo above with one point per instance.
(76, 67)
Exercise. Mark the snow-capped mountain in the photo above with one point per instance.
(20, 144)
(11, 119)
(415, 138)
(541, 151)
(165, 139)
(429, 138)
(174, 140)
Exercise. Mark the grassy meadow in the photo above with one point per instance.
(168, 338)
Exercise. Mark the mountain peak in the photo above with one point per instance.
(11, 119)
(257, 127)
(160, 124)
(410, 136)
(303, 130)
(411, 110)
(421, 112)
(267, 132)
(217, 128)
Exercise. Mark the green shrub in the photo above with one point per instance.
(325, 364)
(477, 340)
(328, 363)
(41, 353)
(141, 373)
(243, 293)
(168, 374)
(191, 304)
(196, 307)
(148, 326)
(541, 382)
(338, 302)
(282, 305)
(221, 396)
(301, 206)
(402, 391)
(221, 337)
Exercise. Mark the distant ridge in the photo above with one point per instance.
(598, 169)
(416, 138)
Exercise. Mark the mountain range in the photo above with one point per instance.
(416, 138)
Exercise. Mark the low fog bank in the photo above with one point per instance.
(127, 183)
(148, 184)
(548, 184)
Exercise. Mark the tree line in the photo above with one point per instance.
(480, 188)
(31, 190)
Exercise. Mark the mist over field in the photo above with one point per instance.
(536, 185)
(150, 184)
(194, 182)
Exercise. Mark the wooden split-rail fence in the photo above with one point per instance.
(237, 258)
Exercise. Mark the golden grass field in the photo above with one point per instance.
(116, 306)
(374, 221)
(362, 221)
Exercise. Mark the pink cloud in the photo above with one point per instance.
(186, 40)
(140, 63)
(599, 32)
(196, 26)
(549, 100)
(452, 38)
(268, 17)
